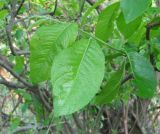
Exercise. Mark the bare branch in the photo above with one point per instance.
(44, 101)
(12, 85)
(149, 27)
(19, 8)
(128, 77)
(14, 51)
(9, 27)
(55, 8)
(15, 75)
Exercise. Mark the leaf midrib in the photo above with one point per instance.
(78, 70)
(58, 37)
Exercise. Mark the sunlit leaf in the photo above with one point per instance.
(77, 74)
(45, 44)
(105, 25)
(134, 8)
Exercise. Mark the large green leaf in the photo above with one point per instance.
(134, 8)
(111, 89)
(105, 25)
(77, 74)
(45, 44)
(128, 29)
(144, 75)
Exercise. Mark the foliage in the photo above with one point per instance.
(78, 55)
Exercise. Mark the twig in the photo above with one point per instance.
(137, 122)
(3, 102)
(16, 106)
(15, 75)
(10, 115)
(77, 121)
(12, 85)
(9, 38)
(9, 27)
(19, 8)
(98, 117)
(45, 103)
(103, 42)
(49, 126)
(125, 116)
(55, 8)
(5, 60)
(69, 126)
(128, 77)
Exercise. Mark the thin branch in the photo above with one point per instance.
(9, 27)
(44, 101)
(98, 118)
(137, 122)
(125, 116)
(10, 43)
(5, 60)
(10, 115)
(128, 77)
(103, 42)
(19, 8)
(9, 38)
(16, 106)
(3, 103)
(12, 85)
(15, 75)
(69, 126)
(55, 8)
(77, 121)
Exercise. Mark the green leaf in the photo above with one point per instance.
(19, 66)
(45, 44)
(144, 75)
(77, 74)
(138, 35)
(110, 91)
(3, 14)
(14, 123)
(127, 29)
(105, 25)
(134, 8)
